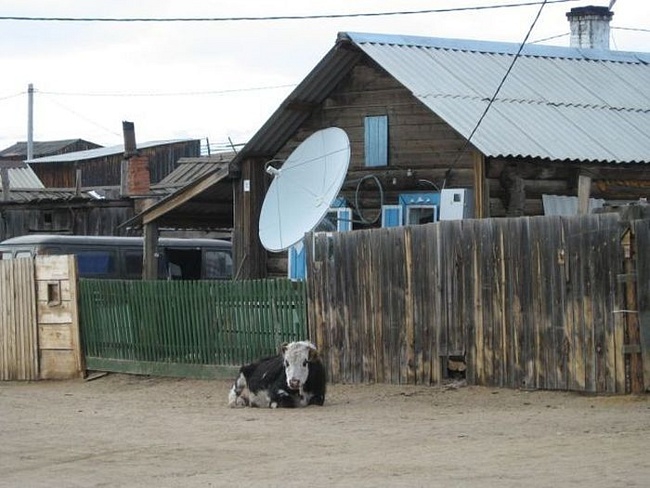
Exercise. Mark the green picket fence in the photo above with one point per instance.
(187, 328)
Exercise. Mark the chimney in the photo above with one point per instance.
(590, 27)
(135, 178)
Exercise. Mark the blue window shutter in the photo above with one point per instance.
(376, 140)
(297, 262)
(391, 215)
(344, 221)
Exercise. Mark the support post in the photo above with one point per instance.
(4, 179)
(150, 252)
(584, 190)
(632, 348)
(30, 121)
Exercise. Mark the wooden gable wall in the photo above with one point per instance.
(106, 170)
(424, 152)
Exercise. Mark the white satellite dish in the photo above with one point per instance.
(303, 189)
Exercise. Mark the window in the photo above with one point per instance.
(421, 214)
(96, 264)
(218, 265)
(133, 265)
(376, 140)
(391, 215)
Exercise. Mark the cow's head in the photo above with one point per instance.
(297, 356)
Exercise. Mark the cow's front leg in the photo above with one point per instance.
(283, 399)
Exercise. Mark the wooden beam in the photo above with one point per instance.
(584, 190)
(150, 252)
(480, 185)
(4, 180)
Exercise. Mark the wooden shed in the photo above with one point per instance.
(102, 166)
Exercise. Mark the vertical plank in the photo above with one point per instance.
(642, 244)
(409, 319)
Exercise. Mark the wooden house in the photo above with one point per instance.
(505, 126)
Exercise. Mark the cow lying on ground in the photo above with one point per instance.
(294, 378)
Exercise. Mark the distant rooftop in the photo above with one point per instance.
(100, 152)
(44, 148)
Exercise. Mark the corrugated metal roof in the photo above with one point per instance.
(190, 169)
(24, 177)
(567, 205)
(25, 195)
(557, 103)
(100, 152)
(40, 147)
(561, 104)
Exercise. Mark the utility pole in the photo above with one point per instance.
(30, 121)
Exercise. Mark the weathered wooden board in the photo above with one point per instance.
(18, 331)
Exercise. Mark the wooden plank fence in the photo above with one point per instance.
(187, 328)
(528, 302)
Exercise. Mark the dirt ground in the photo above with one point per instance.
(132, 431)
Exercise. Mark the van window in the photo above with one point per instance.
(218, 265)
(95, 264)
(133, 265)
(22, 254)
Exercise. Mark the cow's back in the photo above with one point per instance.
(265, 373)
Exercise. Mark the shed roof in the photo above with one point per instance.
(560, 104)
(100, 152)
(191, 169)
(41, 148)
(22, 176)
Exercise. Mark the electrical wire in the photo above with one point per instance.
(170, 94)
(49, 99)
(503, 80)
(276, 17)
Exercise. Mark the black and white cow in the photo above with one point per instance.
(294, 378)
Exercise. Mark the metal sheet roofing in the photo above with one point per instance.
(40, 148)
(191, 169)
(99, 152)
(557, 103)
(24, 177)
(561, 104)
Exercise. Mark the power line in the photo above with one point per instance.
(169, 94)
(7, 97)
(82, 116)
(503, 80)
(634, 29)
(276, 17)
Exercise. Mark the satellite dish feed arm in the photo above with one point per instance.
(272, 171)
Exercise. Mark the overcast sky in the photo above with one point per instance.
(219, 80)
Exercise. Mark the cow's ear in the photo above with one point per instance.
(313, 353)
(283, 347)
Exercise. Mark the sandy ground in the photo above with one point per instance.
(130, 431)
